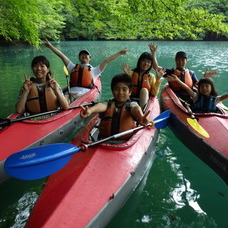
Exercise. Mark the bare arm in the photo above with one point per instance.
(20, 107)
(126, 69)
(86, 111)
(111, 58)
(153, 49)
(61, 98)
(210, 74)
(64, 58)
(223, 97)
(173, 77)
(141, 117)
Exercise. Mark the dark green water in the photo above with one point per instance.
(179, 190)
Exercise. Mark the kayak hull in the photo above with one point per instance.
(32, 133)
(94, 185)
(212, 150)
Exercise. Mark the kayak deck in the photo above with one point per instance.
(212, 150)
(33, 133)
(93, 186)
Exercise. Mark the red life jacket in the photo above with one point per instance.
(184, 76)
(81, 76)
(114, 121)
(41, 101)
(139, 84)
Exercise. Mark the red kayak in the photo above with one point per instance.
(95, 183)
(205, 134)
(32, 133)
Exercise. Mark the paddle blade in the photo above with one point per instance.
(197, 127)
(39, 162)
(65, 70)
(162, 120)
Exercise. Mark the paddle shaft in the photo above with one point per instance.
(67, 76)
(38, 162)
(188, 108)
(190, 112)
(193, 122)
(9, 121)
(151, 124)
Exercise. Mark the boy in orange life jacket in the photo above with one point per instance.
(185, 75)
(145, 84)
(40, 94)
(89, 75)
(119, 114)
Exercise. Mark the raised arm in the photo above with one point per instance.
(20, 107)
(57, 52)
(173, 77)
(61, 98)
(111, 58)
(210, 74)
(153, 49)
(141, 117)
(126, 69)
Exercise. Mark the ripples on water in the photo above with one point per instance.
(179, 190)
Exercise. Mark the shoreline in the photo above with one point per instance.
(4, 43)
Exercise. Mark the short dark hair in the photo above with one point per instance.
(83, 52)
(124, 78)
(40, 60)
(181, 54)
(144, 55)
(210, 82)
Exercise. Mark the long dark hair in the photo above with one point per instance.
(210, 82)
(42, 60)
(144, 55)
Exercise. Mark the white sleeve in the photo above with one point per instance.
(134, 103)
(70, 67)
(96, 72)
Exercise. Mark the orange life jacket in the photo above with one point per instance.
(139, 84)
(81, 76)
(184, 76)
(41, 101)
(113, 121)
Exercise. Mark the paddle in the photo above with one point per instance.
(39, 162)
(193, 121)
(67, 76)
(7, 122)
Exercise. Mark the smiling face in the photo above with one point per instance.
(205, 89)
(121, 93)
(145, 64)
(40, 70)
(84, 58)
(180, 63)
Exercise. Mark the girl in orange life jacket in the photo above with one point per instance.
(206, 99)
(120, 113)
(41, 93)
(145, 84)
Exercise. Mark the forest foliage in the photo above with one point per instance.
(32, 20)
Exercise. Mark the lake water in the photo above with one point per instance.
(179, 190)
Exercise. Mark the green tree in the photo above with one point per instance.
(30, 20)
